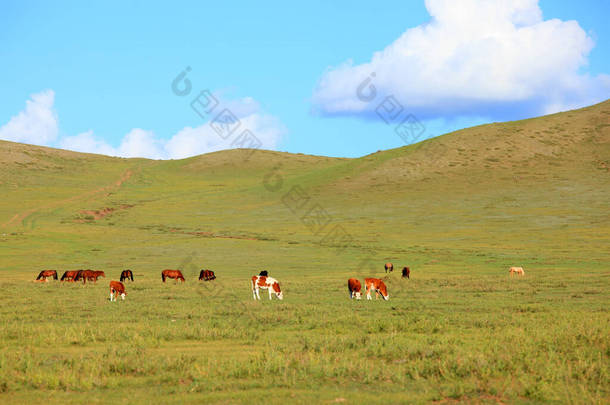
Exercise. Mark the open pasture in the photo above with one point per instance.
(443, 335)
(459, 210)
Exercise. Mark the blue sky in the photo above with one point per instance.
(97, 77)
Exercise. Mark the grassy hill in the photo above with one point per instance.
(458, 209)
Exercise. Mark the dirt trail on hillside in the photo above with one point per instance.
(20, 217)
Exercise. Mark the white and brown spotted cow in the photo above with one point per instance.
(266, 283)
(378, 286)
(117, 288)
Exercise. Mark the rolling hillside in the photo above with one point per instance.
(533, 189)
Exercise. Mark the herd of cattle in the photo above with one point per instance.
(262, 281)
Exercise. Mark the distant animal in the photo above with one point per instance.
(206, 275)
(266, 283)
(389, 267)
(126, 275)
(69, 275)
(175, 274)
(117, 288)
(376, 285)
(89, 275)
(354, 287)
(516, 270)
(406, 272)
(81, 275)
(263, 273)
(47, 273)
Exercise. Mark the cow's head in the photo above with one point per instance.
(384, 291)
(123, 296)
(277, 291)
(358, 295)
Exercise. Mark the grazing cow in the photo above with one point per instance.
(406, 272)
(389, 267)
(516, 270)
(97, 274)
(126, 275)
(47, 273)
(377, 285)
(206, 275)
(267, 283)
(264, 273)
(354, 287)
(117, 288)
(175, 274)
(69, 275)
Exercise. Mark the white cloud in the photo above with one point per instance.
(37, 124)
(495, 58)
(141, 143)
(88, 143)
(203, 139)
(189, 141)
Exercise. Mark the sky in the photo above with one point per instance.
(168, 80)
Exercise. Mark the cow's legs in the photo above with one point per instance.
(270, 292)
(368, 293)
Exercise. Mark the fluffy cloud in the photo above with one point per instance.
(37, 124)
(86, 142)
(189, 141)
(141, 143)
(265, 129)
(494, 58)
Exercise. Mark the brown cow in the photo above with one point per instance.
(47, 273)
(389, 267)
(117, 288)
(206, 275)
(406, 272)
(175, 274)
(126, 275)
(516, 270)
(377, 285)
(354, 287)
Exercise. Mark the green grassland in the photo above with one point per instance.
(458, 209)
